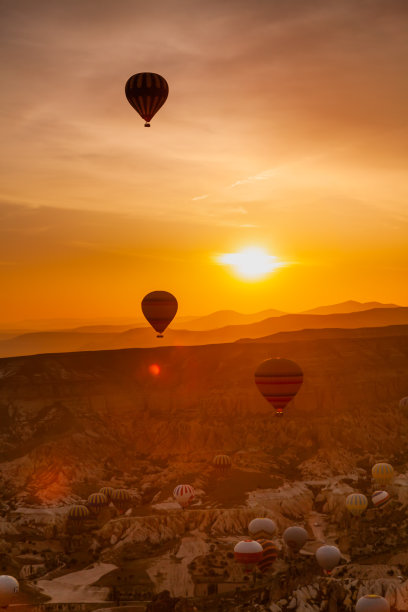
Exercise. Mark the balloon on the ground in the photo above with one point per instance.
(328, 557)
(159, 308)
(261, 528)
(107, 491)
(278, 380)
(356, 503)
(372, 603)
(9, 588)
(380, 498)
(249, 553)
(121, 499)
(295, 537)
(97, 501)
(184, 494)
(222, 463)
(146, 92)
(78, 513)
(383, 473)
(269, 554)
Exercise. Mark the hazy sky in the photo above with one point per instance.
(286, 127)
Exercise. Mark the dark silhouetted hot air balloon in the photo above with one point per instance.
(278, 380)
(159, 308)
(146, 92)
(222, 463)
(249, 553)
(261, 528)
(97, 501)
(372, 603)
(184, 494)
(107, 491)
(121, 499)
(383, 473)
(380, 498)
(295, 537)
(9, 588)
(328, 557)
(269, 554)
(356, 503)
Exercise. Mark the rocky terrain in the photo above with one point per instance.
(71, 423)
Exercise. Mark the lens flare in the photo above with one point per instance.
(154, 369)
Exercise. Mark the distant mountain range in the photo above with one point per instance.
(84, 339)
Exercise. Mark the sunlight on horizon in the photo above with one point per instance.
(251, 263)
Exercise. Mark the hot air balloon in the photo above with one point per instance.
(372, 603)
(78, 513)
(380, 498)
(107, 491)
(249, 553)
(278, 380)
(403, 403)
(356, 503)
(295, 537)
(97, 501)
(121, 499)
(159, 308)
(222, 463)
(184, 494)
(328, 557)
(269, 554)
(261, 528)
(383, 473)
(9, 588)
(146, 92)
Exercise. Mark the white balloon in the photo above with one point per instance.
(8, 589)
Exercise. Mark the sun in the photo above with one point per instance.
(251, 263)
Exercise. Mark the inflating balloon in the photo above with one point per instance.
(269, 554)
(380, 498)
(328, 557)
(356, 503)
(383, 473)
(295, 537)
(8, 590)
(261, 528)
(184, 494)
(249, 553)
(146, 92)
(372, 603)
(159, 308)
(278, 380)
(222, 463)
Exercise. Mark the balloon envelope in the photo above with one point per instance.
(184, 494)
(372, 603)
(261, 528)
(356, 503)
(9, 588)
(222, 463)
(278, 380)
(159, 308)
(248, 552)
(146, 92)
(269, 554)
(380, 498)
(107, 491)
(328, 557)
(78, 513)
(383, 473)
(403, 404)
(295, 537)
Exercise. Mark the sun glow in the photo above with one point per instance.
(251, 263)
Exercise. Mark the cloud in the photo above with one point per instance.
(202, 197)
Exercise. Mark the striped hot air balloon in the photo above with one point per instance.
(356, 503)
(78, 513)
(269, 554)
(146, 92)
(380, 498)
(97, 501)
(278, 380)
(383, 473)
(121, 499)
(184, 494)
(372, 603)
(261, 528)
(222, 463)
(107, 491)
(159, 308)
(249, 553)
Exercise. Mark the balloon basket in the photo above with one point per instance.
(147, 124)
(159, 336)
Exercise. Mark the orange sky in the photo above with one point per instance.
(285, 127)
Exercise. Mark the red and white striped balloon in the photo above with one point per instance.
(184, 494)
